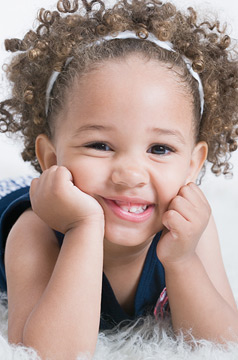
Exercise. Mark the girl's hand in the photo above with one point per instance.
(185, 220)
(59, 203)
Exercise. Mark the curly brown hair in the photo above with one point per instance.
(68, 32)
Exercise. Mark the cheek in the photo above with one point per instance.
(168, 182)
(88, 174)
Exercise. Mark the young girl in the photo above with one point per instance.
(119, 109)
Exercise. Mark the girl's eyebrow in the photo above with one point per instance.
(174, 133)
(91, 127)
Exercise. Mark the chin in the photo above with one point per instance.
(127, 237)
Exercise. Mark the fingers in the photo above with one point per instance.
(190, 202)
(174, 222)
(186, 219)
(188, 212)
(53, 176)
(50, 182)
(59, 178)
(192, 192)
(33, 186)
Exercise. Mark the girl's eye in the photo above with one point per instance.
(99, 146)
(160, 150)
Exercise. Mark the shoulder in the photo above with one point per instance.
(30, 236)
(31, 253)
(20, 227)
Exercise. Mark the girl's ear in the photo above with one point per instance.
(45, 152)
(198, 158)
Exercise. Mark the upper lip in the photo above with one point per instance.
(128, 199)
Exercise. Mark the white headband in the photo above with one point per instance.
(131, 35)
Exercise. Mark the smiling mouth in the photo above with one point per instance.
(130, 211)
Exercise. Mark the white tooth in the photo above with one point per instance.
(139, 211)
(125, 208)
(135, 209)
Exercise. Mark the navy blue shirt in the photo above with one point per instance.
(151, 283)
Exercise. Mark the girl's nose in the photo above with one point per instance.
(130, 175)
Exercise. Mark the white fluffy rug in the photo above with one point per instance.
(145, 340)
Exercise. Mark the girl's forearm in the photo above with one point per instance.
(196, 305)
(65, 322)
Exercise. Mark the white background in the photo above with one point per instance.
(16, 17)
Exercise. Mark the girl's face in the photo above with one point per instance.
(127, 137)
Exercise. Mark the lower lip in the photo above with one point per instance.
(125, 215)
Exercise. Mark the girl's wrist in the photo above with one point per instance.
(94, 224)
(182, 265)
